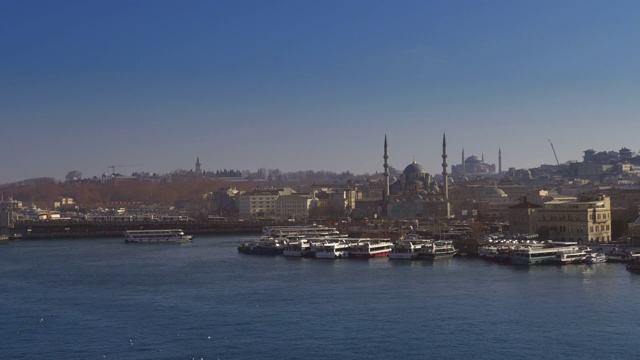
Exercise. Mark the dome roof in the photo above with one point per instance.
(413, 168)
(495, 192)
(473, 159)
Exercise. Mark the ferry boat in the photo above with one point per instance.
(407, 249)
(530, 255)
(332, 250)
(265, 246)
(297, 248)
(498, 253)
(371, 248)
(634, 263)
(488, 252)
(156, 236)
(595, 258)
(571, 256)
(310, 230)
(438, 249)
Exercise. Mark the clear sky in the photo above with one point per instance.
(311, 85)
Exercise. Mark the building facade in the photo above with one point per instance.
(586, 219)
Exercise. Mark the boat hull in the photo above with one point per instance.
(358, 255)
(403, 256)
(437, 256)
(332, 255)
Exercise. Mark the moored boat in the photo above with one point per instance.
(170, 236)
(298, 248)
(264, 246)
(595, 258)
(438, 249)
(371, 248)
(571, 256)
(407, 249)
(634, 263)
(306, 230)
(332, 250)
(533, 255)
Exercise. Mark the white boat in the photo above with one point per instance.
(595, 258)
(156, 236)
(532, 255)
(332, 250)
(571, 256)
(498, 253)
(297, 248)
(438, 249)
(371, 248)
(311, 230)
(407, 249)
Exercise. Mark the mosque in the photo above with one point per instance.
(474, 165)
(416, 194)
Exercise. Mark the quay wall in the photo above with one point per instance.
(86, 229)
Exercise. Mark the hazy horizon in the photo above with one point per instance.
(302, 85)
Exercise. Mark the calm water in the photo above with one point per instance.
(103, 299)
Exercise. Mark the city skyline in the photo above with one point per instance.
(295, 85)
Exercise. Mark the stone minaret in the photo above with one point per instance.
(385, 195)
(445, 178)
(463, 168)
(499, 161)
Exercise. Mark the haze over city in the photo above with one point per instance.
(298, 85)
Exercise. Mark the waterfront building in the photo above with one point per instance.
(522, 219)
(585, 219)
(344, 197)
(282, 203)
(292, 206)
(260, 202)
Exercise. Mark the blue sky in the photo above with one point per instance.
(300, 85)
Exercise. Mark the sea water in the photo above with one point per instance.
(104, 299)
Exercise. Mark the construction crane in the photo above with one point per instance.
(554, 152)
(113, 168)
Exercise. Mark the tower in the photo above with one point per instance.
(198, 169)
(385, 195)
(445, 178)
(499, 161)
(463, 169)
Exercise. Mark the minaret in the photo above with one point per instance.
(445, 178)
(385, 196)
(463, 169)
(499, 161)
(198, 170)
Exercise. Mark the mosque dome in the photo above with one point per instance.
(495, 192)
(473, 159)
(413, 168)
